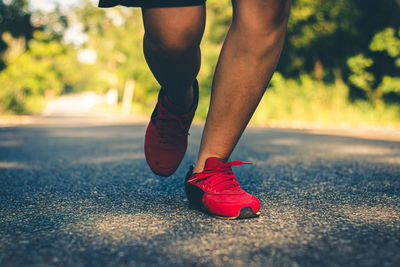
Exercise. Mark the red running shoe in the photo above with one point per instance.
(216, 190)
(167, 135)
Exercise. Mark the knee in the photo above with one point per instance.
(174, 42)
(280, 15)
(265, 19)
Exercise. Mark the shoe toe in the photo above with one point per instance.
(231, 205)
(163, 163)
(254, 204)
(162, 158)
(165, 167)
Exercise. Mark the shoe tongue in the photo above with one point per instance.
(212, 163)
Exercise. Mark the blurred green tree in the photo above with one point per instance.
(116, 36)
(362, 74)
(335, 51)
(15, 19)
(323, 34)
(41, 64)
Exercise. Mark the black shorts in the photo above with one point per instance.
(151, 3)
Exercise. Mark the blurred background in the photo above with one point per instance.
(340, 64)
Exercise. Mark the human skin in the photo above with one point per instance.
(245, 67)
(171, 46)
(246, 64)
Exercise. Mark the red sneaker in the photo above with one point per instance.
(167, 135)
(217, 191)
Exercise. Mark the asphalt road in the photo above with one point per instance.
(79, 195)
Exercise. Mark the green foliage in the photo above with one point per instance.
(360, 77)
(116, 35)
(390, 84)
(14, 19)
(307, 100)
(44, 64)
(375, 86)
(219, 16)
(47, 66)
(331, 31)
(340, 62)
(387, 40)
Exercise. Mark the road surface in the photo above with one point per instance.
(82, 195)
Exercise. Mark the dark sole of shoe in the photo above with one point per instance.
(245, 213)
(162, 174)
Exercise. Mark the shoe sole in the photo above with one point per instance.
(161, 174)
(245, 213)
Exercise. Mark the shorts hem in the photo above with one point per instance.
(150, 3)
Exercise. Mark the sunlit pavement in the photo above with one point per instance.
(86, 108)
(82, 195)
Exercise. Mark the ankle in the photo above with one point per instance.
(180, 103)
(201, 161)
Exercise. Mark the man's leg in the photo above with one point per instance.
(248, 59)
(171, 47)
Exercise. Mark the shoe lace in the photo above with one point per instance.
(220, 178)
(172, 131)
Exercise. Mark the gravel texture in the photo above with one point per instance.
(75, 195)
